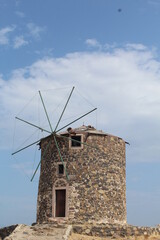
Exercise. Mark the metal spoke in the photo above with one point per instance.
(35, 171)
(48, 145)
(25, 147)
(64, 109)
(76, 120)
(61, 157)
(53, 133)
(42, 129)
(46, 111)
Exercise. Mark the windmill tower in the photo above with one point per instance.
(91, 183)
(82, 175)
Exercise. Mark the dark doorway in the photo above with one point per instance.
(60, 203)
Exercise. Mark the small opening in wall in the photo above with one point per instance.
(74, 143)
(60, 169)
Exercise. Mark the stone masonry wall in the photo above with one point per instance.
(96, 189)
(116, 231)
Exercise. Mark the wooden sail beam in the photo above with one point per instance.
(59, 152)
(64, 109)
(44, 153)
(25, 147)
(54, 133)
(76, 120)
(45, 111)
(40, 128)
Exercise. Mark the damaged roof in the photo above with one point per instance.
(88, 129)
(85, 129)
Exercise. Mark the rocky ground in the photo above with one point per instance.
(56, 232)
(39, 232)
(84, 237)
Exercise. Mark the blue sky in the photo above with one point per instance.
(112, 57)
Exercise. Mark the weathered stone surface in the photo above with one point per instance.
(97, 192)
(6, 231)
(116, 230)
(63, 231)
(40, 232)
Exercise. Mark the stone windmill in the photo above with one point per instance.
(82, 176)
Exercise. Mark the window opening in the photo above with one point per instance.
(60, 169)
(76, 144)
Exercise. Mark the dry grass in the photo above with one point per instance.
(75, 236)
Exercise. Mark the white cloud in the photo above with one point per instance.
(136, 46)
(35, 30)
(20, 14)
(92, 42)
(45, 52)
(19, 42)
(4, 35)
(109, 46)
(124, 84)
